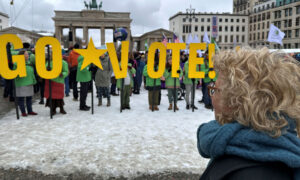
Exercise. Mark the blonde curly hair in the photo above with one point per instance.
(259, 88)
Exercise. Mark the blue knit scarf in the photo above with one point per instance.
(215, 140)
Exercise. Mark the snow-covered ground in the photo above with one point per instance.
(107, 143)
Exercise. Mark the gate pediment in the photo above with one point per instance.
(93, 14)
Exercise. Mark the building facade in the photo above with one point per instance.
(287, 19)
(259, 23)
(284, 14)
(140, 42)
(4, 21)
(230, 30)
(244, 6)
(24, 35)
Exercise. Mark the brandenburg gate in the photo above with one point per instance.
(90, 19)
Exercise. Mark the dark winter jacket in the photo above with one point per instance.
(103, 77)
(139, 71)
(215, 140)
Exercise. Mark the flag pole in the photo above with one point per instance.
(92, 93)
(155, 69)
(121, 94)
(174, 95)
(153, 95)
(9, 56)
(50, 87)
(193, 95)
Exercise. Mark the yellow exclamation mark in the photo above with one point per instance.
(211, 53)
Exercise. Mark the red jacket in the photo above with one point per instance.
(72, 60)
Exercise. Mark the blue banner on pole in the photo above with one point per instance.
(215, 26)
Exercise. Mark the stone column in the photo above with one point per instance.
(102, 36)
(74, 35)
(86, 35)
(58, 33)
(129, 39)
(148, 42)
(138, 47)
(115, 43)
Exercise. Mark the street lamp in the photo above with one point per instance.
(190, 15)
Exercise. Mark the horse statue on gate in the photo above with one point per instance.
(100, 5)
(86, 5)
(93, 5)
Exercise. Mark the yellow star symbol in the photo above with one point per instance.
(91, 55)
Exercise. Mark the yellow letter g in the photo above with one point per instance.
(5, 72)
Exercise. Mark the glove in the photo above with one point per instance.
(178, 71)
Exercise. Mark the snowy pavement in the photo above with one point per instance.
(108, 143)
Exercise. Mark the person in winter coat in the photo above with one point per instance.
(205, 81)
(8, 83)
(67, 79)
(113, 87)
(139, 73)
(153, 86)
(24, 87)
(188, 85)
(257, 110)
(57, 89)
(73, 62)
(102, 79)
(128, 85)
(84, 77)
(172, 88)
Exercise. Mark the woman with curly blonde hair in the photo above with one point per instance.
(257, 108)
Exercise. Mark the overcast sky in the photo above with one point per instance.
(147, 15)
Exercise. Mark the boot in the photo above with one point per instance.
(42, 101)
(32, 113)
(193, 106)
(170, 107)
(99, 102)
(187, 106)
(201, 101)
(108, 102)
(150, 107)
(53, 112)
(62, 111)
(176, 107)
(156, 108)
(208, 106)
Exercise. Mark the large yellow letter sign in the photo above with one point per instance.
(5, 72)
(211, 53)
(175, 47)
(40, 62)
(119, 73)
(194, 60)
(162, 60)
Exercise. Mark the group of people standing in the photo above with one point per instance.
(172, 84)
(105, 82)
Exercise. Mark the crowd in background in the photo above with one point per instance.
(78, 83)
